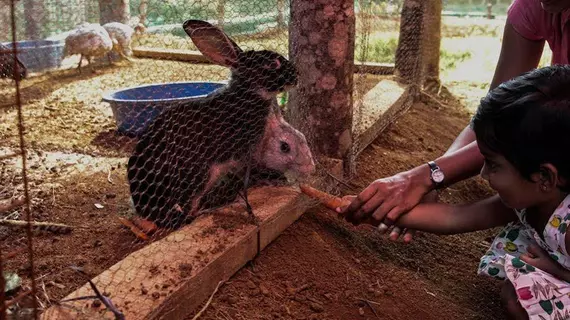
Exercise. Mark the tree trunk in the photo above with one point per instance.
(321, 45)
(281, 14)
(409, 54)
(6, 27)
(143, 12)
(114, 11)
(34, 13)
(85, 5)
(489, 10)
(432, 42)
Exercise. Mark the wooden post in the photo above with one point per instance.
(321, 45)
(86, 11)
(143, 12)
(409, 52)
(34, 13)
(2, 286)
(114, 11)
(221, 13)
(432, 43)
(5, 28)
(281, 14)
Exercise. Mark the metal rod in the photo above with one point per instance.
(22, 152)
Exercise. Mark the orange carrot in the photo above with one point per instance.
(134, 229)
(326, 199)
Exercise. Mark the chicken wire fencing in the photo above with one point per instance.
(109, 143)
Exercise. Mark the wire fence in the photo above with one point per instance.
(107, 138)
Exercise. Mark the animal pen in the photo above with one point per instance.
(69, 247)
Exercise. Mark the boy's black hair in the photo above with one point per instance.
(527, 120)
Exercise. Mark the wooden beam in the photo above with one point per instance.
(374, 68)
(170, 54)
(379, 107)
(197, 57)
(172, 277)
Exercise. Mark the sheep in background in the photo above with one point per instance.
(122, 36)
(7, 64)
(88, 40)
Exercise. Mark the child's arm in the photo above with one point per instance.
(560, 272)
(541, 259)
(451, 219)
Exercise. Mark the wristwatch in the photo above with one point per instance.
(436, 174)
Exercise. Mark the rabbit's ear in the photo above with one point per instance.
(213, 42)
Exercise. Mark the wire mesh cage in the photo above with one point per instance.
(122, 121)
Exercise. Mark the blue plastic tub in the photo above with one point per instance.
(135, 108)
(39, 55)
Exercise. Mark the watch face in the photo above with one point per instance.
(437, 176)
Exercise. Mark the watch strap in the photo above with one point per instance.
(434, 167)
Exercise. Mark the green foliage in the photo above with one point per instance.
(176, 11)
(380, 50)
(234, 28)
(161, 12)
(384, 51)
(449, 60)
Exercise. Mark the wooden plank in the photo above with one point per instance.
(197, 57)
(374, 68)
(380, 107)
(375, 104)
(172, 277)
(170, 54)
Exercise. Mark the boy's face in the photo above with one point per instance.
(555, 6)
(515, 191)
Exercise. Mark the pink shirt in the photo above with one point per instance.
(530, 21)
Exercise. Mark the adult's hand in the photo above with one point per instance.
(384, 200)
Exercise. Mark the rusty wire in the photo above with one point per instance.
(27, 210)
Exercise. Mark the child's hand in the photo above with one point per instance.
(540, 258)
(346, 199)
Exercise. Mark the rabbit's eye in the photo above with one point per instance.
(285, 148)
(275, 64)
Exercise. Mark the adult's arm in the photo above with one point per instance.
(391, 197)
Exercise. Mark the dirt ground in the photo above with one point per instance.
(77, 176)
(344, 272)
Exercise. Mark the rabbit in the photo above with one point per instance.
(7, 65)
(189, 146)
(282, 149)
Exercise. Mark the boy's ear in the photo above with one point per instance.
(548, 177)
